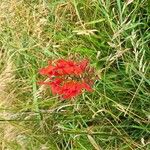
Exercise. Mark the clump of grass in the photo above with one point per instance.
(114, 36)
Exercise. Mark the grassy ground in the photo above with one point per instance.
(115, 37)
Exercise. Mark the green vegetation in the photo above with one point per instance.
(114, 35)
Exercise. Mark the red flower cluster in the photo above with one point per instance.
(65, 76)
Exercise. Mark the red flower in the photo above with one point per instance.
(64, 69)
(55, 85)
(71, 89)
(49, 71)
(65, 63)
(86, 86)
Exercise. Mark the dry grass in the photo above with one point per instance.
(7, 98)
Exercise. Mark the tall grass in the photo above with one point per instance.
(114, 36)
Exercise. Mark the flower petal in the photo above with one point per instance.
(86, 86)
